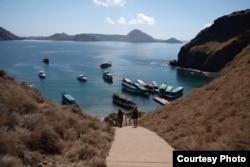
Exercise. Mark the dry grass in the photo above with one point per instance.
(214, 117)
(37, 132)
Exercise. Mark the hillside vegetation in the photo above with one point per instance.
(37, 132)
(213, 117)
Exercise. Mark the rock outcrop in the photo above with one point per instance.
(217, 45)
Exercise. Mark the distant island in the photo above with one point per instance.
(132, 36)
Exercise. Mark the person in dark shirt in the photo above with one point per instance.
(120, 118)
(135, 115)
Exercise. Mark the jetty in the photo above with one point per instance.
(161, 100)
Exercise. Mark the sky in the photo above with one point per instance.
(162, 19)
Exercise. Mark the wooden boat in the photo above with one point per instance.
(155, 85)
(168, 92)
(107, 76)
(127, 80)
(175, 93)
(46, 60)
(82, 77)
(123, 101)
(140, 82)
(149, 86)
(42, 74)
(141, 89)
(162, 89)
(68, 99)
(129, 87)
(105, 64)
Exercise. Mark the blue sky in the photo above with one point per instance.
(162, 19)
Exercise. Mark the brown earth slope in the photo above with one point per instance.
(37, 132)
(214, 117)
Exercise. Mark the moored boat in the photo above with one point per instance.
(46, 60)
(68, 99)
(127, 80)
(175, 93)
(168, 92)
(82, 77)
(155, 85)
(140, 82)
(123, 101)
(129, 87)
(107, 76)
(141, 89)
(42, 74)
(105, 64)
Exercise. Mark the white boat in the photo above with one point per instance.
(82, 77)
(140, 82)
(127, 80)
(107, 76)
(155, 85)
(42, 74)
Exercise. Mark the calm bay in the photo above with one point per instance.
(146, 61)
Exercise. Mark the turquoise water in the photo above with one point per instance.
(146, 61)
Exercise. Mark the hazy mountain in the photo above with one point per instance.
(132, 36)
(138, 36)
(6, 35)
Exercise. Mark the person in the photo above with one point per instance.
(135, 115)
(120, 118)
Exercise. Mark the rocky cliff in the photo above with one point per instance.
(216, 45)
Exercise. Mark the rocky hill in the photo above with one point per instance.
(217, 45)
(133, 36)
(138, 36)
(34, 131)
(213, 117)
(6, 35)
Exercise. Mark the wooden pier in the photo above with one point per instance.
(161, 100)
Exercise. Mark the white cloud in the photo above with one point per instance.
(109, 20)
(133, 22)
(122, 21)
(107, 3)
(140, 19)
(143, 19)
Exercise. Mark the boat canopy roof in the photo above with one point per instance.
(67, 96)
(169, 88)
(177, 89)
(163, 86)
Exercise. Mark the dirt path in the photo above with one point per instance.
(139, 147)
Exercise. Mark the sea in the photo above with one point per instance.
(22, 59)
